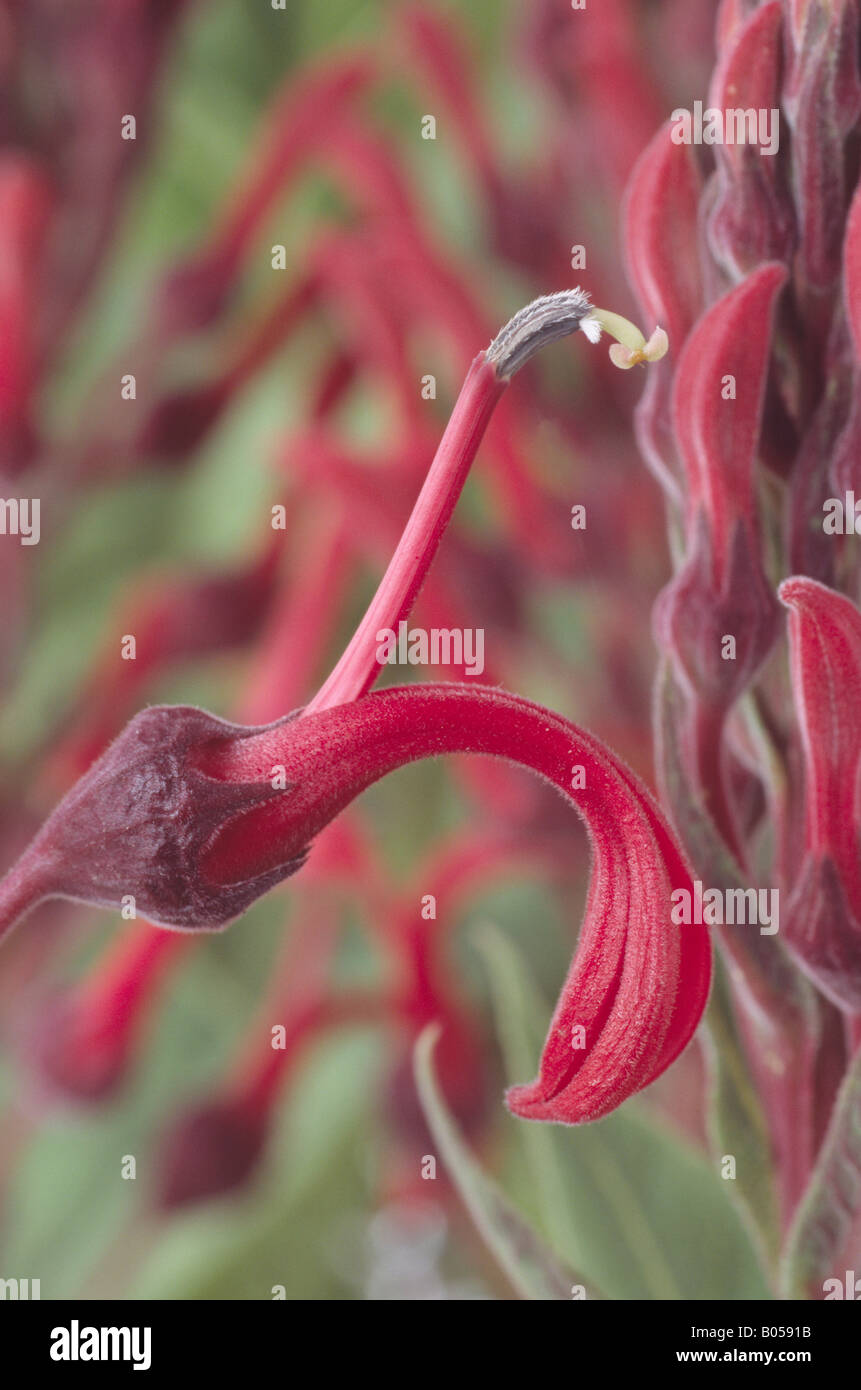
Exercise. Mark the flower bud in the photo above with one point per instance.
(824, 926)
(211, 1151)
(137, 824)
(751, 218)
(722, 590)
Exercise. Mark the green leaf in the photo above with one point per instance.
(517, 1007)
(67, 1200)
(643, 1213)
(284, 1228)
(736, 1122)
(532, 1269)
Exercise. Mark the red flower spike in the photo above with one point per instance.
(824, 915)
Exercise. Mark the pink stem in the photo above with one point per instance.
(24, 887)
(358, 668)
(541, 322)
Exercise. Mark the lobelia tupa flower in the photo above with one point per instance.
(748, 252)
(194, 818)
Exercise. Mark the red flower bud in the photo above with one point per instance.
(138, 824)
(693, 618)
(661, 249)
(824, 916)
(751, 218)
(717, 405)
(660, 219)
(212, 1150)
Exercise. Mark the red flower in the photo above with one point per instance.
(195, 818)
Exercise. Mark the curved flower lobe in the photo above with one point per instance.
(638, 984)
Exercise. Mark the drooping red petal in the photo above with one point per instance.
(638, 983)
